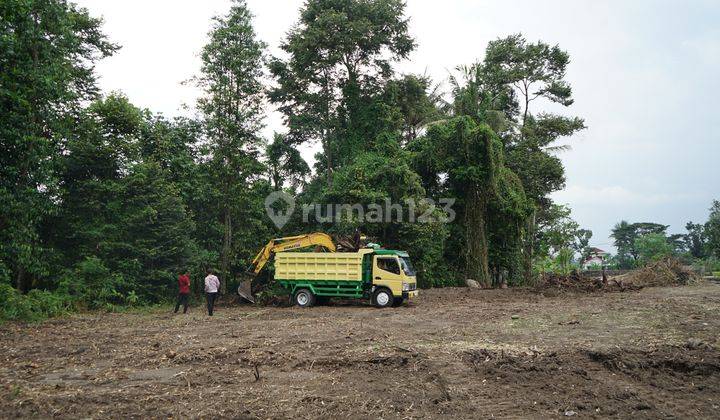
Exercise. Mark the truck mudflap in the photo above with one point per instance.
(410, 295)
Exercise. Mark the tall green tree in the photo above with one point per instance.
(339, 52)
(532, 71)
(418, 101)
(498, 92)
(47, 52)
(624, 239)
(557, 230)
(712, 230)
(471, 157)
(677, 242)
(696, 240)
(625, 235)
(97, 159)
(285, 164)
(154, 242)
(232, 70)
(651, 247)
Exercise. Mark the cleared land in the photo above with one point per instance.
(454, 352)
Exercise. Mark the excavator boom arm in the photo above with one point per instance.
(288, 243)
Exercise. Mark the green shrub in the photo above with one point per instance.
(712, 264)
(4, 274)
(652, 247)
(34, 306)
(94, 286)
(563, 262)
(708, 266)
(542, 265)
(273, 294)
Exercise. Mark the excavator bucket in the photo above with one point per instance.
(245, 289)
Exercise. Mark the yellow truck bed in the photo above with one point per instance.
(343, 266)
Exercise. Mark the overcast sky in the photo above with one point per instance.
(645, 76)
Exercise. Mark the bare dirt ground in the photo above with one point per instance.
(454, 352)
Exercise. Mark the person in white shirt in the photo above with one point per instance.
(212, 286)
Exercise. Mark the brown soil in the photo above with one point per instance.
(454, 352)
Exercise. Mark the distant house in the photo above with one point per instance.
(595, 257)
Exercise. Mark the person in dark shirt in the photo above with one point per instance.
(184, 291)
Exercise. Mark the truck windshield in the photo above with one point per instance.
(407, 266)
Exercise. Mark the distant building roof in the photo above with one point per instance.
(594, 254)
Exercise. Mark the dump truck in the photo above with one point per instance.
(386, 277)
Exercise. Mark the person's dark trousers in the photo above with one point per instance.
(182, 298)
(211, 302)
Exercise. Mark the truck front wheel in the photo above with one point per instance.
(304, 298)
(382, 298)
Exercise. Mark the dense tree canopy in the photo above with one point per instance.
(47, 53)
(712, 230)
(626, 234)
(105, 202)
(232, 67)
(341, 53)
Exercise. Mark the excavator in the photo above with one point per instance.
(320, 241)
(335, 268)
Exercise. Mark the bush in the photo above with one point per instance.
(595, 267)
(34, 306)
(4, 274)
(707, 266)
(274, 294)
(542, 265)
(563, 262)
(425, 243)
(712, 264)
(94, 286)
(89, 285)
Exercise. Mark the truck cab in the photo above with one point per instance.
(392, 271)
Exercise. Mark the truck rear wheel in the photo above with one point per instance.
(382, 298)
(304, 298)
